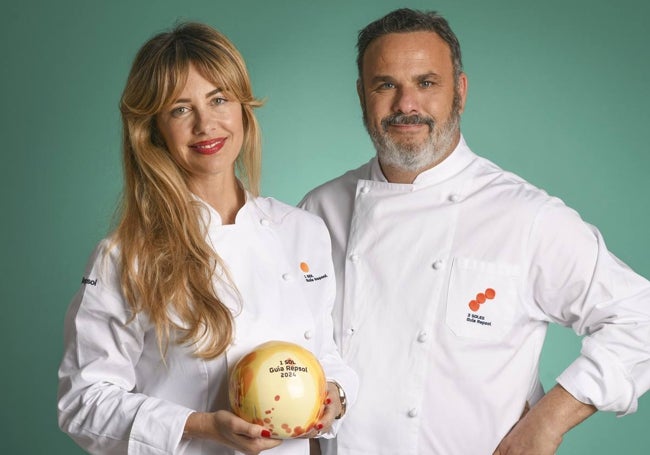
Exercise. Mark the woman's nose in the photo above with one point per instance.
(203, 121)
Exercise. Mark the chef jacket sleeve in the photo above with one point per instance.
(97, 405)
(333, 365)
(578, 283)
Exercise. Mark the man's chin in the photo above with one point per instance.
(408, 137)
(409, 146)
(405, 161)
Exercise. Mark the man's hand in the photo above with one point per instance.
(540, 430)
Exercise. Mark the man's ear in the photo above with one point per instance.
(362, 98)
(461, 88)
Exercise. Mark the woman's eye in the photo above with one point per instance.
(219, 100)
(180, 110)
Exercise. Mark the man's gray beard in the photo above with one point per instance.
(414, 157)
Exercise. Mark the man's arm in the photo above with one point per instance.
(541, 429)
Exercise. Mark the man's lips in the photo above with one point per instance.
(408, 128)
(408, 124)
(209, 147)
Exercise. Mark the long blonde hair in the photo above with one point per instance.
(167, 266)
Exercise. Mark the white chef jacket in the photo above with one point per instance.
(440, 372)
(117, 395)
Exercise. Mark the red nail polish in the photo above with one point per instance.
(266, 434)
(319, 426)
(328, 401)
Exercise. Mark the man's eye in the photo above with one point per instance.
(386, 85)
(426, 84)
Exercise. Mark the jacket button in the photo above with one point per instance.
(308, 335)
(413, 412)
(454, 198)
(437, 265)
(365, 190)
(422, 337)
(354, 257)
(265, 222)
(286, 277)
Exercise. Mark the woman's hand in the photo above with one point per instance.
(331, 408)
(228, 429)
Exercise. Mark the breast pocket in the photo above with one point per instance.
(482, 299)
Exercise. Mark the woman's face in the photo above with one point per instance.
(203, 130)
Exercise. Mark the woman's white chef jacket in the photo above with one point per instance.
(436, 376)
(116, 395)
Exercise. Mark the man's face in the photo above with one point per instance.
(411, 103)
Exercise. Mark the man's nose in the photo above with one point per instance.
(406, 100)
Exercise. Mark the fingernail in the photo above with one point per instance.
(319, 426)
(266, 434)
(328, 401)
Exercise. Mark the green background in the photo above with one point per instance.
(558, 93)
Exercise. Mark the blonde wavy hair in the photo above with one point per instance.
(167, 265)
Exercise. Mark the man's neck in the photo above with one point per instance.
(395, 174)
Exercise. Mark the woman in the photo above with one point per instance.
(198, 271)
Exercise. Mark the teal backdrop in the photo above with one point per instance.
(558, 93)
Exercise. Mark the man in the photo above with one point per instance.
(449, 270)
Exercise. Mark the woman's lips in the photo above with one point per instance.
(209, 147)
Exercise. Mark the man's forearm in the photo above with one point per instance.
(541, 429)
(561, 410)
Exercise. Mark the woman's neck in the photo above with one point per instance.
(226, 196)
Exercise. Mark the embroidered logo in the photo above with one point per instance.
(475, 306)
(309, 278)
(85, 280)
(481, 298)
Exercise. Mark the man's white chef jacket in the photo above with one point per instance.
(116, 395)
(440, 372)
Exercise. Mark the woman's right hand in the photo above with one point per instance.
(230, 430)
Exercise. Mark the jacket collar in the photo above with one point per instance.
(212, 218)
(457, 160)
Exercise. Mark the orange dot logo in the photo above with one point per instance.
(481, 298)
(304, 267)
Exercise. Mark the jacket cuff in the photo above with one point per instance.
(158, 427)
(599, 379)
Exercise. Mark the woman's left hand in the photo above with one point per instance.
(331, 408)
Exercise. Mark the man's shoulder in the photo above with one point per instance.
(491, 175)
(337, 187)
(507, 191)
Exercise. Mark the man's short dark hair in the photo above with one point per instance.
(406, 20)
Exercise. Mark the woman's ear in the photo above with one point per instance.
(156, 136)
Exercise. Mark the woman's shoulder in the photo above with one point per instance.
(105, 257)
(282, 213)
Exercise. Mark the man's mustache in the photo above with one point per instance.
(404, 119)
